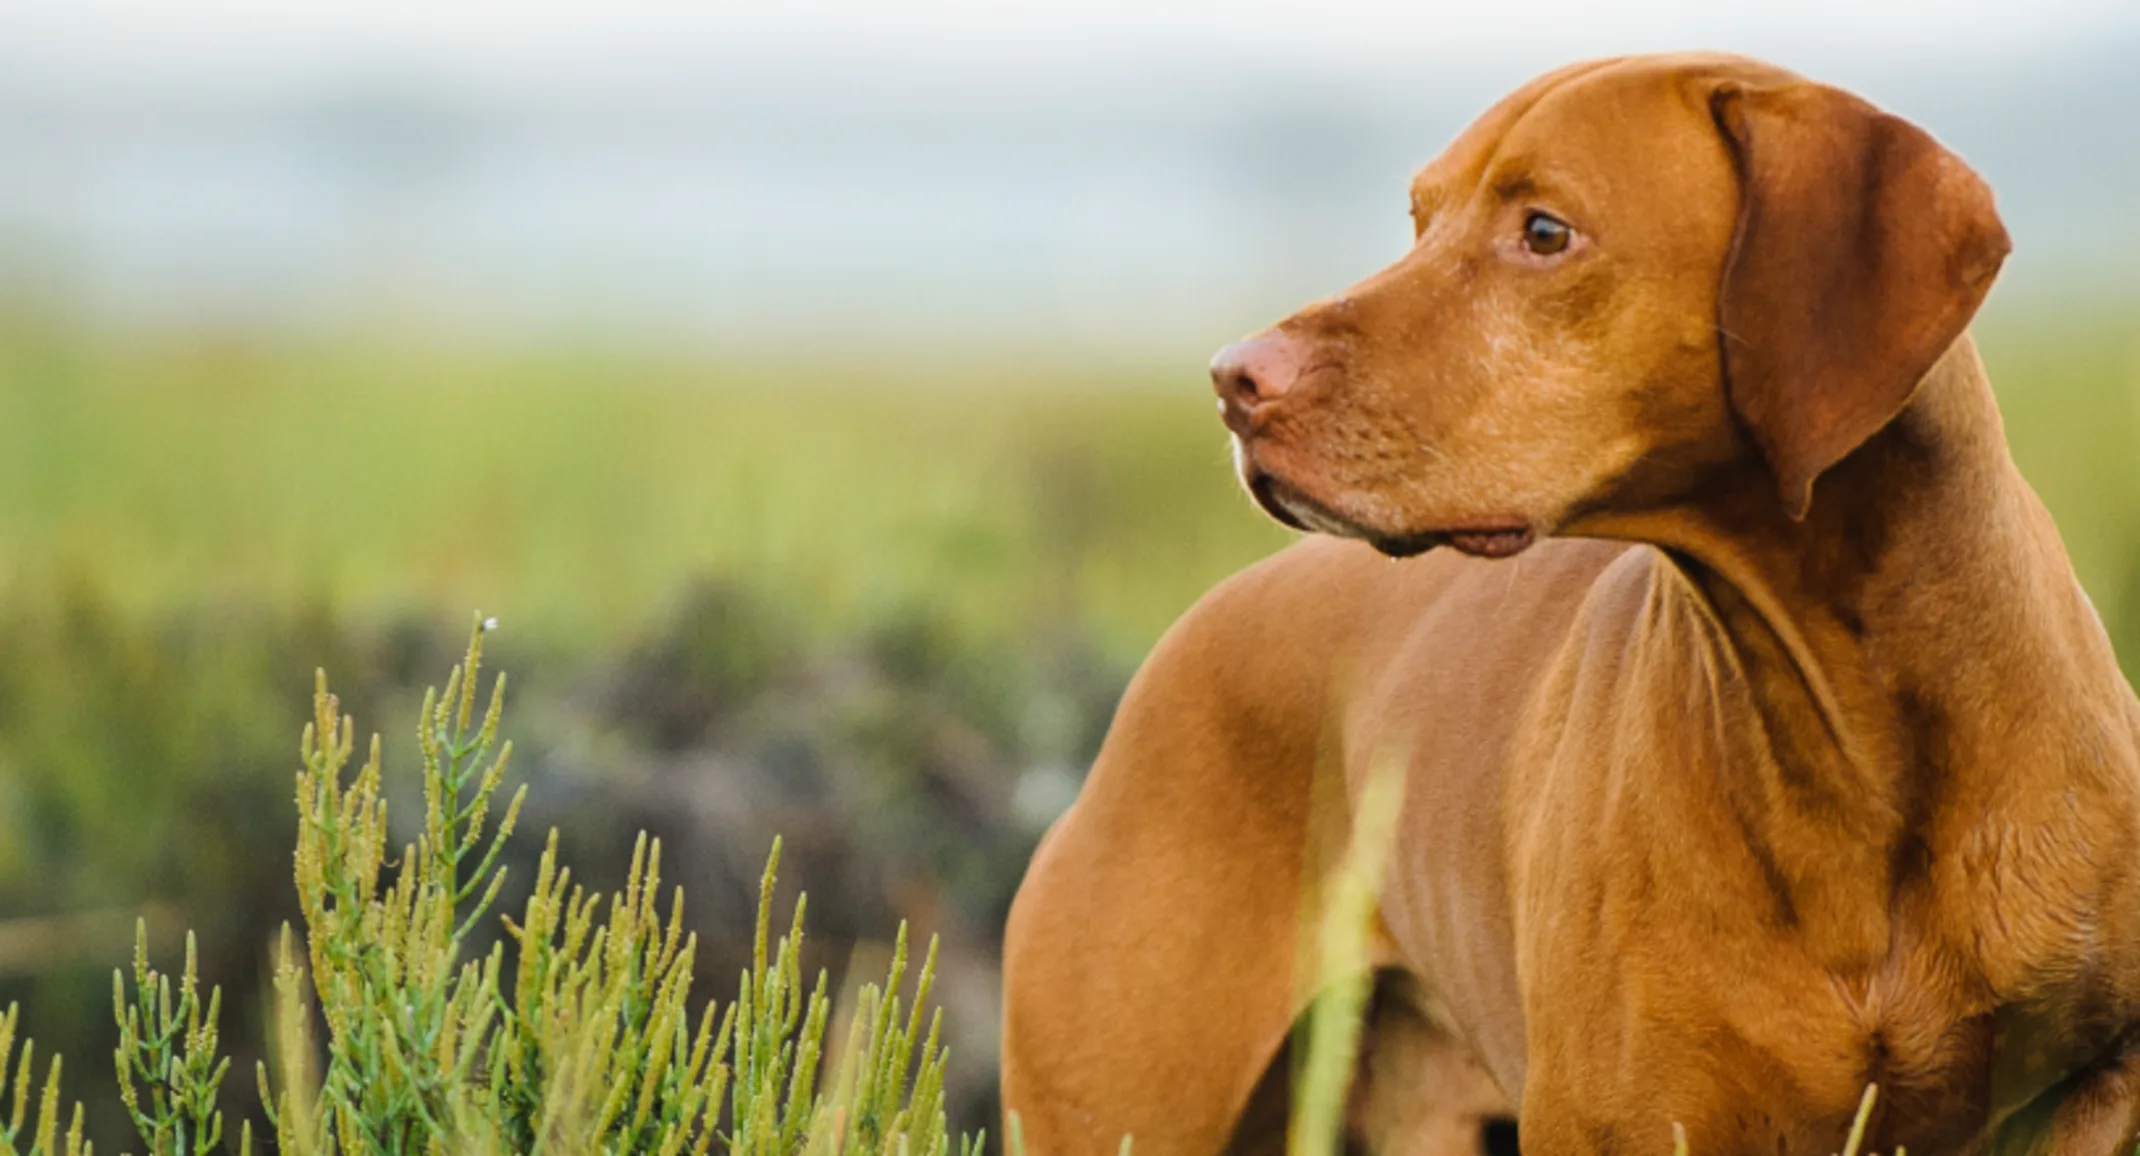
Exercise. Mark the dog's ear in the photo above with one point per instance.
(1862, 250)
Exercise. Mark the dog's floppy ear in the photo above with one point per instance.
(1862, 250)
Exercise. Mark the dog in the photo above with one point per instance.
(1758, 741)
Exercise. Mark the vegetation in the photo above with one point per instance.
(888, 618)
(583, 488)
(587, 1040)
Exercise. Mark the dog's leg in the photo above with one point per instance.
(2096, 1114)
(1148, 963)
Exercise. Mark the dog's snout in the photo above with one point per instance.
(1252, 373)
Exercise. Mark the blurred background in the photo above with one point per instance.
(815, 392)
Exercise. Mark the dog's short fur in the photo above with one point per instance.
(1790, 758)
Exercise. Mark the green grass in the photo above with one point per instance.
(2069, 386)
(580, 488)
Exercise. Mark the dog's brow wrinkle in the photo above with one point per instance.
(1513, 187)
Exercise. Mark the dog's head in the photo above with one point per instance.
(1627, 276)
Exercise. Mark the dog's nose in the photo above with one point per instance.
(1254, 372)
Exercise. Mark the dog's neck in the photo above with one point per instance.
(1925, 563)
(1881, 640)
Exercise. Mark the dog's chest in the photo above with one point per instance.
(1961, 1026)
(1785, 1046)
(2014, 959)
(2009, 963)
(1924, 1027)
(1965, 949)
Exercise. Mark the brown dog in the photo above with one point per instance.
(1797, 759)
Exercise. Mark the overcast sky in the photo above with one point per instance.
(541, 42)
(733, 166)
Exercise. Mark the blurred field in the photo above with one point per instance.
(882, 605)
(576, 490)
(2069, 386)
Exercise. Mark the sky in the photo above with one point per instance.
(546, 42)
(1097, 170)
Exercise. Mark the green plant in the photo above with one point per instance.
(1342, 968)
(168, 1047)
(575, 1034)
(44, 1137)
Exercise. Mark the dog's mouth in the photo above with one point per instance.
(1489, 542)
(1287, 504)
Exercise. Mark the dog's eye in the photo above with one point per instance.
(1545, 234)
